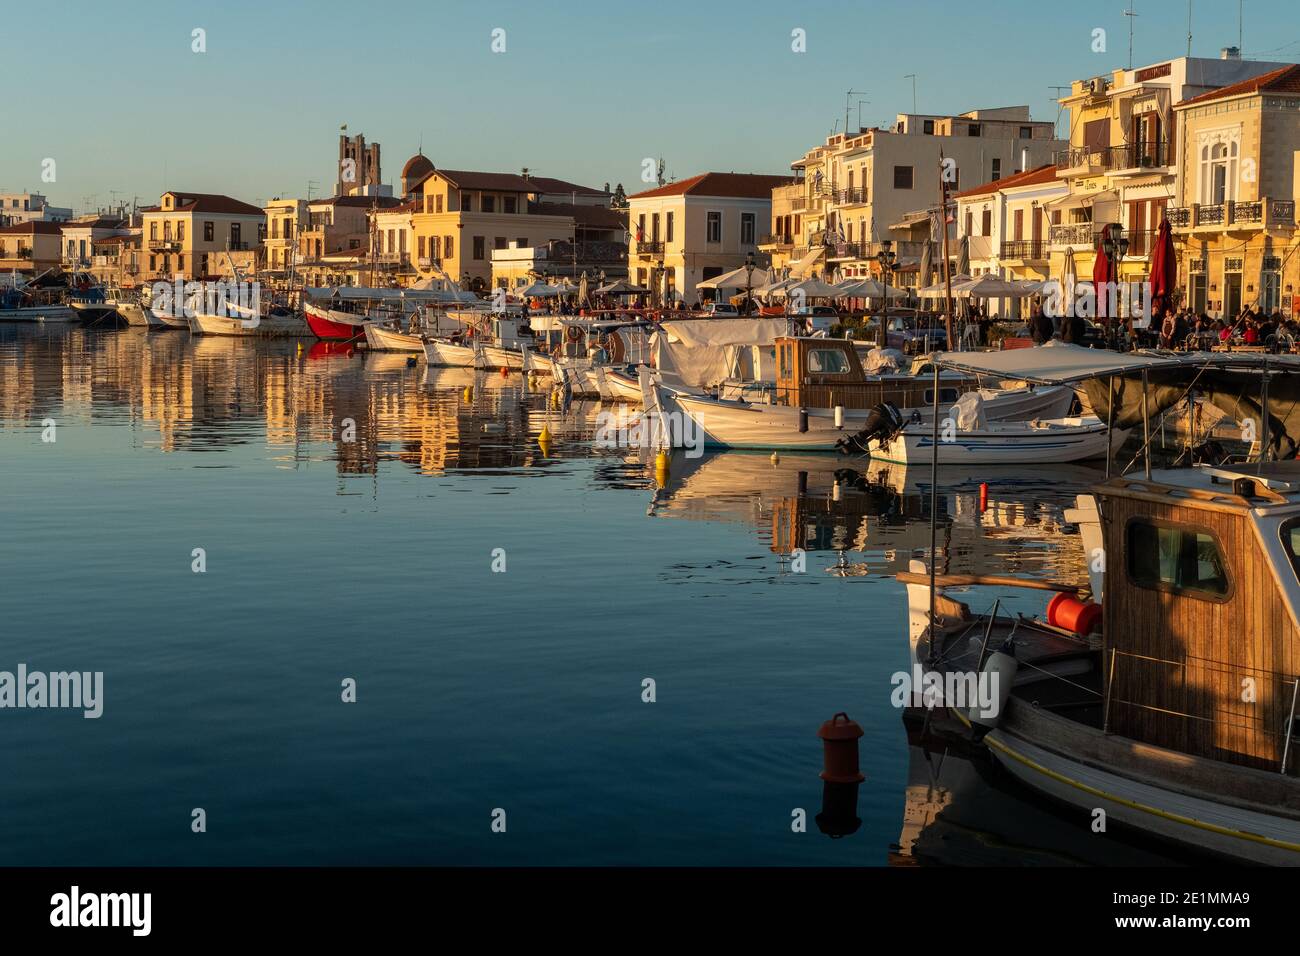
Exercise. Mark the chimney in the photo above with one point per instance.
(1230, 53)
(1024, 159)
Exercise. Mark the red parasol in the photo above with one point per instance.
(1101, 274)
(1164, 269)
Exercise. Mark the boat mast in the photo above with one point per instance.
(947, 271)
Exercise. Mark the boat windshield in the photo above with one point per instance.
(1169, 557)
(1291, 541)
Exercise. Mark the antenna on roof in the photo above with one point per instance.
(1130, 13)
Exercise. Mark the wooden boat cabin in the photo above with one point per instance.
(1202, 589)
(824, 372)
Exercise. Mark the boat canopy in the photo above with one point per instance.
(1060, 363)
(704, 352)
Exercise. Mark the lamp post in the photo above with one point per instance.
(886, 258)
(749, 283)
(1115, 245)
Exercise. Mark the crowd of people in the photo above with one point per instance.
(1252, 327)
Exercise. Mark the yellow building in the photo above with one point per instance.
(1125, 154)
(186, 233)
(786, 225)
(32, 246)
(1237, 176)
(285, 219)
(463, 215)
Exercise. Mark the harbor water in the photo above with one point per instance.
(501, 608)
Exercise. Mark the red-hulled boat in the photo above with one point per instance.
(331, 325)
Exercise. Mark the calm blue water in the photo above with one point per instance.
(476, 690)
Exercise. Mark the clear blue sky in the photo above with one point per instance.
(584, 91)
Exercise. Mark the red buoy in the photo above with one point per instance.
(984, 496)
(840, 750)
(1071, 614)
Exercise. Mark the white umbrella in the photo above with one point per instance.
(811, 289)
(989, 286)
(622, 287)
(871, 289)
(737, 279)
(938, 290)
(538, 290)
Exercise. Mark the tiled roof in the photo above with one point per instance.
(208, 202)
(599, 217)
(734, 185)
(36, 227)
(1284, 80)
(1032, 177)
(382, 202)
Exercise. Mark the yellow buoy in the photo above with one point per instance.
(545, 436)
(776, 459)
(468, 394)
(661, 461)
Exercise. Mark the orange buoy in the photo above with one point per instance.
(1071, 614)
(504, 371)
(984, 496)
(840, 750)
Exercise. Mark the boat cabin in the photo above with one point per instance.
(823, 372)
(1201, 649)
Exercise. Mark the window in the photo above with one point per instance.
(713, 226)
(972, 129)
(180, 230)
(209, 231)
(236, 235)
(997, 169)
(1291, 542)
(449, 247)
(986, 222)
(478, 247)
(153, 231)
(167, 231)
(1026, 132)
(499, 242)
(509, 204)
(902, 177)
(180, 263)
(466, 205)
(748, 228)
(654, 227)
(668, 234)
(1218, 173)
(1168, 557)
(521, 242)
(488, 203)
(640, 228)
(927, 127)
(827, 362)
(153, 263)
(419, 244)
(437, 203)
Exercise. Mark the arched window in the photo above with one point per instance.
(1218, 173)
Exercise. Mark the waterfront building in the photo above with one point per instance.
(857, 188)
(337, 230)
(1237, 182)
(392, 239)
(1005, 224)
(29, 207)
(31, 247)
(1125, 152)
(187, 233)
(696, 229)
(285, 220)
(599, 247)
(80, 235)
(463, 215)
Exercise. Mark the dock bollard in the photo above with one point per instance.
(840, 750)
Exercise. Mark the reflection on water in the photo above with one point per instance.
(348, 503)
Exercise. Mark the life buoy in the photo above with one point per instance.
(614, 345)
(573, 333)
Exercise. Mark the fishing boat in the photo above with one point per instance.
(1037, 441)
(1164, 691)
(334, 325)
(383, 337)
(31, 301)
(275, 322)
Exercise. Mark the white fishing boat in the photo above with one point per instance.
(1038, 441)
(449, 354)
(139, 314)
(276, 323)
(384, 338)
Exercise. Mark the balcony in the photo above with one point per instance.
(164, 245)
(852, 196)
(650, 247)
(844, 250)
(1072, 234)
(1032, 249)
(1089, 160)
(776, 239)
(1255, 214)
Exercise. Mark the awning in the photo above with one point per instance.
(1060, 363)
(804, 265)
(1082, 200)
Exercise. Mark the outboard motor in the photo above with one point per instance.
(884, 421)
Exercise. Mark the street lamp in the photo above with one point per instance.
(749, 283)
(1115, 245)
(886, 258)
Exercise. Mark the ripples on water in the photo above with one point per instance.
(370, 559)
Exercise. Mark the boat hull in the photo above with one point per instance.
(39, 313)
(1055, 441)
(448, 354)
(330, 325)
(270, 326)
(387, 340)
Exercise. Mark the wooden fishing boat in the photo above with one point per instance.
(1170, 707)
(334, 325)
(448, 353)
(386, 339)
(275, 323)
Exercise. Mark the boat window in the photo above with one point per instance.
(1291, 541)
(827, 361)
(1170, 557)
(946, 396)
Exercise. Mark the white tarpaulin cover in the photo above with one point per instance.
(968, 412)
(700, 353)
(1058, 363)
(738, 279)
(884, 361)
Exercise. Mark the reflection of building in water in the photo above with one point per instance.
(924, 799)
